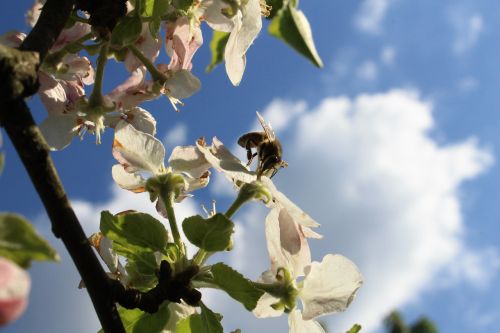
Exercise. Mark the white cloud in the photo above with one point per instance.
(370, 16)
(387, 195)
(175, 136)
(467, 28)
(367, 71)
(388, 55)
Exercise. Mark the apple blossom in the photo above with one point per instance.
(242, 19)
(182, 41)
(14, 290)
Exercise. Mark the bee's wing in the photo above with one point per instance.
(267, 128)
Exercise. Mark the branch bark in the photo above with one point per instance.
(16, 118)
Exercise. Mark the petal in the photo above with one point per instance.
(223, 161)
(286, 242)
(297, 214)
(15, 285)
(193, 183)
(178, 311)
(76, 68)
(188, 159)
(136, 150)
(133, 91)
(148, 45)
(104, 247)
(183, 40)
(128, 181)
(59, 96)
(12, 38)
(77, 31)
(141, 119)
(58, 131)
(182, 84)
(298, 325)
(263, 309)
(214, 17)
(329, 286)
(247, 27)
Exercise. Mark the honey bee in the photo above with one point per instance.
(268, 147)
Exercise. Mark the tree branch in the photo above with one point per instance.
(15, 116)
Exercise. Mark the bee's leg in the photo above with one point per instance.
(250, 155)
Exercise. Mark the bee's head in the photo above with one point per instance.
(272, 164)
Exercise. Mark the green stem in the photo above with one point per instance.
(169, 208)
(200, 257)
(96, 97)
(77, 18)
(155, 73)
(234, 207)
(276, 289)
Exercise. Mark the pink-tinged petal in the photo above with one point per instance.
(136, 150)
(329, 286)
(183, 40)
(133, 91)
(70, 35)
(76, 68)
(59, 96)
(182, 84)
(141, 119)
(128, 181)
(193, 183)
(188, 159)
(248, 24)
(148, 45)
(15, 286)
(298, 325)
(12, 38)
(286, 242)
(59, 130)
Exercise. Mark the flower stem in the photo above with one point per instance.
(276, 289)
(234, 207)
(169, 208)
(155, 73)
(96, 97)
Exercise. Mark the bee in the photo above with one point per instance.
(268, 147)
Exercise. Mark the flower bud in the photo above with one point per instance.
(14, 289)
(255, 190)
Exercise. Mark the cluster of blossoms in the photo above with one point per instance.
(322, 287)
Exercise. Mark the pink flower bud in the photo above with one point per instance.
(14, 289)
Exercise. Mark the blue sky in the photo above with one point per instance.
(392, 148)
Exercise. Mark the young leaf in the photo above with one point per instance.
(136, 321)
(291, 26)
(212, 234)
(211, 320)
(135, 231)
(237, 286)
(355, 329)
(20, 242)
(127, 30)
(141, 269)
(217, 46)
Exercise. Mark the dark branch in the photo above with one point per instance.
(33, 151)
(54, 16)
(169, 288)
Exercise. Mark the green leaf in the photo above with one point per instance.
(237, 286)
(20, 242)
(291, 26)
(191, 324)
(141, 269)
(217, 46)
(212, 234)
(134, 231)
(206, 322)
(276, 5)
(355, 329)
(211, 320)
(127, 31)
(147, 8)
(136, 321)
